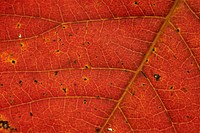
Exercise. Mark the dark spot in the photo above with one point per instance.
(187, 116)
(64, 89)
(98, 97)
(20, 82)
(178, 30)
(35, 81)
(85, 79)
(1, 85)
(97, 130)
(74, 84)
(57, 51)
(54, 40)
(136, 3)
(157, 77)
(96, 56)
(153, 49)
(87, 66)
(21, 44)
(132, 92)
(60, 39)
(31, 114)
(75, 61)
(70, 34)
(84, 101)
(122, 63)
(143, 84)
(159, 107)
(171, 87)
(56, 73)
(147, 60)
(188, 71)
(154, 4)
(62, 44)
(4, 124)
(95, 108)
(13, 61)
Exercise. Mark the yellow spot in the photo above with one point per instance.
(18, 25)
(8, 58)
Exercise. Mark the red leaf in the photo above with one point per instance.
(99, 66)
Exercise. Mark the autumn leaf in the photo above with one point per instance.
(99, 66)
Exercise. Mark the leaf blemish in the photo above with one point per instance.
(84, 101)
(157, 77)
(35, 81)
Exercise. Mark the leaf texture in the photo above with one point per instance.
(99, 66)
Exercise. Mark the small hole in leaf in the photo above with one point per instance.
(147, 60)
(84, 101)
(171, 87)
(157, 77)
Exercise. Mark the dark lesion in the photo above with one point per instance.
(157, 77)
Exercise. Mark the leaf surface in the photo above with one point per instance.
(97, 66)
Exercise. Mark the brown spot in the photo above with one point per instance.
(35, 81)
(1, 85)
(84, 101)
(85, 78)
(136, 3)
(18, 25)
(153, 49)
(171, 87)
(31, 114)
(178, 30)
(65, 90)
(75, 61)
(188, 71)
(87, 67)
(154, 4)
(57, 51)
(56, 73)
(20, 82)
(97, 130)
